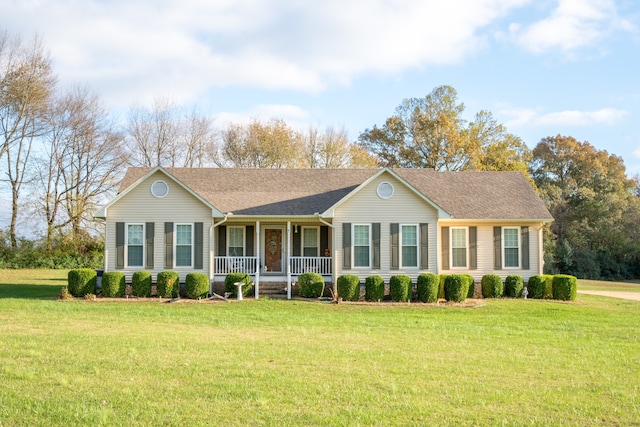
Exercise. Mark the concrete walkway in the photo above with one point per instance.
(634, 296)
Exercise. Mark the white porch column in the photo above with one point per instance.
(287, 259)
(257, 283)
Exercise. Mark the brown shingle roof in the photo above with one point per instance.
(465, 195)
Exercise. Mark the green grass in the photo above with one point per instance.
(268, 362)
(597, 285)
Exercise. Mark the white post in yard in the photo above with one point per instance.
(287, 260)
(257, 281)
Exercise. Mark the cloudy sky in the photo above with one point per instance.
(543, 67)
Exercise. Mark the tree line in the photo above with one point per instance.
(62, 154)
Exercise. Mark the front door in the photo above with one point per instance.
(272, 249)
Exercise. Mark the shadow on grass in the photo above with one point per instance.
(29, 291)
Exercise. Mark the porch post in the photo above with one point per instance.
(257, 283)
(288, 260)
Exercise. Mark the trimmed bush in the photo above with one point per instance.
(513, 286)
(471, 283)
(491, 286)
(113, 284)
(564, 287)
(141, 284)
(400, 288)
(81, 281)
(374, 288)
(456, 287)
(311, 285)
(229, 287)
(548, 292)
(428, 285)
(442, 278)
(349, 287)
(536, 287)
(196, 285)
(168, 284)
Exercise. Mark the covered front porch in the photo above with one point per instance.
(272, 252)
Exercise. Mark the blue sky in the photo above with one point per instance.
(543, 67)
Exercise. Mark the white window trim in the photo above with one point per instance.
(416, 226)
(175, 244)
(244, 238)
(126, 245)
(466, 232)
(519, 247)
(353, 247)
(317, 229)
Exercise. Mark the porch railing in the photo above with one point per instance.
(310, 264)
(235, 264)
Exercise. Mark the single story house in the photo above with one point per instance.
(276, 224)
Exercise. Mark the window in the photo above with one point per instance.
(184, 245)
(235, 241)
(511, 247)
(409, 245)
(458, 247)
(135, 245)
(361, 245)
(310, 241)
(159, 189)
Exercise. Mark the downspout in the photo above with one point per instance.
(212, 246)
(333, 249)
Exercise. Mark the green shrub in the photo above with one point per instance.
(400, 288)
(229, 287)
(141, 284)
(428, 285)
(113, 284)
(548, 292)
(456, 287)
(168, 284)
(471, 283)
(442, 277)
(564, 287)
(374, 288)
(81, 281)
(491, 286)
(513, 286)
(349, 287)
(536, 287)
(311, 285)
(196, 285)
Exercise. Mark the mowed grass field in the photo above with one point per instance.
(272, 362)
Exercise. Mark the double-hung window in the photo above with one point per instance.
(235, 239)
(184, 245)
(458, 247)
(361, 245)
(409, 245)
(135, 245)
(511, 247)
(310, 241)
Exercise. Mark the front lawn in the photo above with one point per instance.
(268, 362)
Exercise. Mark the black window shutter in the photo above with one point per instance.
(250, 230)
(375, 235)
(324, 239)
(119, 244)
(395, 246)
(297, 239)
(524, 237)
(497, 248)
(473, 248)
(149, 232)
(198, 249)
(222, 240)
(445, 247)
(424, 245)
(168, 245)
(346, 245)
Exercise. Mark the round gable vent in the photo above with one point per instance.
(159, 189)
(385, 190)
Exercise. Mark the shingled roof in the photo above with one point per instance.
(464, 195)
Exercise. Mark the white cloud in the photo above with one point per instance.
(292, 114)
(636, 153)
(582, 118)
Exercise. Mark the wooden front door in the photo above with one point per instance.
(272, 250)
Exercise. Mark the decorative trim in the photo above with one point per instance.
(385, 190)
(159, 189)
